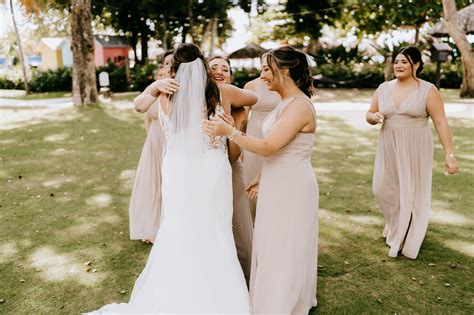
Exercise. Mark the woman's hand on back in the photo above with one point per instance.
(167, 86)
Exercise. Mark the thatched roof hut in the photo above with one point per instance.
(466, 17)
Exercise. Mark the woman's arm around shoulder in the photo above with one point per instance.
(148, 96)
(237, 97)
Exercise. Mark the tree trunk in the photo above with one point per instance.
(84, 88)
(144, 44)
(213, 36)
(417, 34)
(388, 71)
(133, 43)
(165, 34)
(467, 56)
(191, 20)
(20, 51)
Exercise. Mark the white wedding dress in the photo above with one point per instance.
(193, 266)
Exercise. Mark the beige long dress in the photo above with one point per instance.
(402, 172)
(145, 202)
(267, 101)
(284, 257)
(242, 223)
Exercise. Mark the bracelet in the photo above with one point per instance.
(232, 135)
(451, 155)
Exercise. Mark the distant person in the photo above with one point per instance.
(242, 223)
(404, 157)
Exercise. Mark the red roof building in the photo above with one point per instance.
(110, 49)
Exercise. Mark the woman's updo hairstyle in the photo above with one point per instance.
(413, 54)
(296, 62)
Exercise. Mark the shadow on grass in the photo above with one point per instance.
(64, 199)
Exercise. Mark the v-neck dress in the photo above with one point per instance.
(403, 168)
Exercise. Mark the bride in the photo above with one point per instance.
(193, 266)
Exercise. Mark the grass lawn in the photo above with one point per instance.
(64, 246)
(17, 94)
(322, 95)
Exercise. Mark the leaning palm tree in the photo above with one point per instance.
(28, 6)
(84, 90)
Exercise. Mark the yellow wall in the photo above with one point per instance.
(51, 59)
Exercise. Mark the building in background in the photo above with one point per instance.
(55, 53)
(110, 49)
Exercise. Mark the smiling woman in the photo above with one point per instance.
(242, 224)
(287, 144)
(403, 162)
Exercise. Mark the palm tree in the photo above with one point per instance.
(84, 88)
(467, 56)
(20, 49)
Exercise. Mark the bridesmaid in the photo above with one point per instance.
(284, 253)
(404, 157)
(267, 101)
(242, 224)
(145, 201)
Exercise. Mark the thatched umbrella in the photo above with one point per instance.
(466, 17)
(248, 52)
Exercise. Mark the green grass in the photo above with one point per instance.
(35, 96)
(20, 95)
(64, 193)
(322, 95)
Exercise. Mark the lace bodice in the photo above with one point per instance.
(218, 143)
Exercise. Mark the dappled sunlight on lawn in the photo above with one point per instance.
(465, 248)
(85, 226)
(12, 119)
(94, 131)
(59, 181)
(465, 156)
(60, 152)
(122, 111)
(100, 200)
(126, 179)
(7, 141)
(323, 174)
(58, 137)
(352, 223)
(8, 251)
(442, 215)
(55, 266)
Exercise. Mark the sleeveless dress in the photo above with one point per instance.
(194, 266)
(403, 169)
(145, 202)
(267, 101)
(284, 258)
(242, 223)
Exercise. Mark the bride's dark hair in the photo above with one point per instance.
(188, 52)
